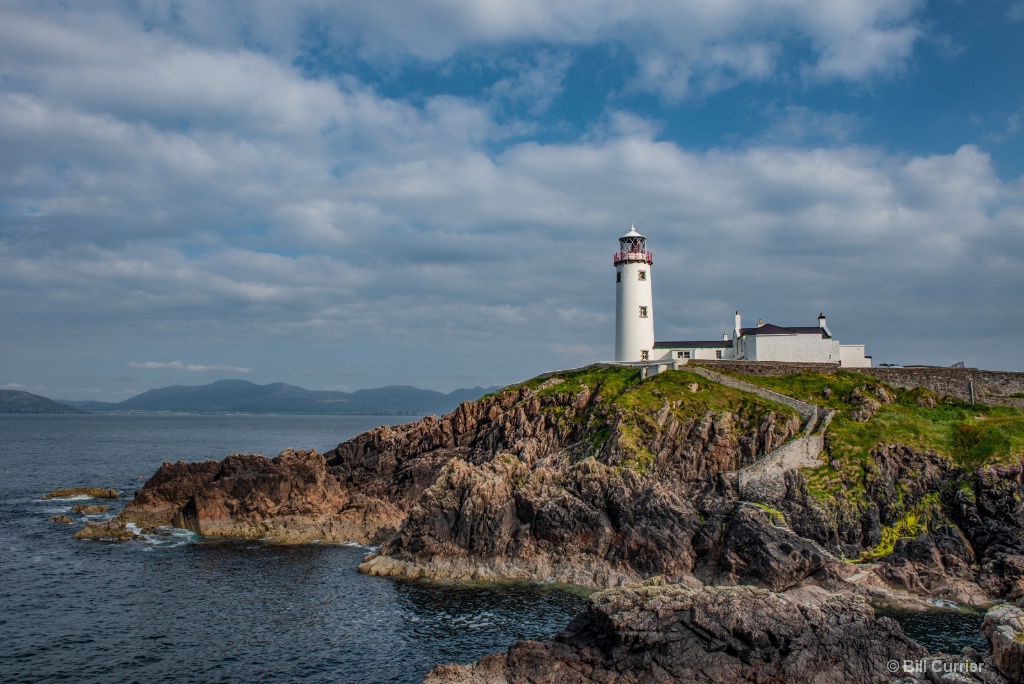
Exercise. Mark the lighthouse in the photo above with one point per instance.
(634, 310)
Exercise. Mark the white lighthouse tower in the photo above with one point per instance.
(634, 307)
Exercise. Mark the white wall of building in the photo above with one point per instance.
(634, 311)
(796, 347)
(853, 356)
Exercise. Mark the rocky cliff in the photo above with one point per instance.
(598, 478)
(292, 498)
(601, 479)
(594, 479)
(589, 480)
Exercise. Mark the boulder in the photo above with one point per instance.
(755, 551)
(111, 530)
(93, 492)
(84, 509)
(1004, 629)
(670, 633)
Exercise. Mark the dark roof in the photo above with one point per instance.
(690, 344)
(769, 329)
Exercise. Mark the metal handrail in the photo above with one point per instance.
(633, 256)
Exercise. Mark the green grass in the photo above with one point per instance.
(640, 407)
(967, 436)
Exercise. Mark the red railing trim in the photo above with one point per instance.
(633, 256)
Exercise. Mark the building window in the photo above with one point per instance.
(644, 355)
(685, 354)
(641, 275)
(618, 276)
(718, 353)
(643, 312)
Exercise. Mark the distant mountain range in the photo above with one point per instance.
(241, 396)
(16, 401)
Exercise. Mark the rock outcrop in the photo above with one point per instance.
(596, 481)
(92, 492)
(1004, 629)
(291, 499)
(582, 486)
(723, 635)
(84, 509)
(109, 530)
(599, 479)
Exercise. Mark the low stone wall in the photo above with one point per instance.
(989, 386)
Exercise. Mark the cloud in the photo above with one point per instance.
(675, 46)
(177, 180)
(191, 367)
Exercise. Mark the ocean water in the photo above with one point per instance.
(177, 608)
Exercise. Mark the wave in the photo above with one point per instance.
(164, 536)
(73, 497)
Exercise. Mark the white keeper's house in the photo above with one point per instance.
(634, 326)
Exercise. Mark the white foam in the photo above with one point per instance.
(943, 603)
(371, 549)
(164, 536)
(74, 497)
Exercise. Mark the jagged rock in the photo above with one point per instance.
(89, 510)
(602, 528)
(94, 492)
(722, 635)
(291, 498)
(606, 484)
(517, 500)
(66, 520)
(935, 564)
(112, 530)
(865, 406)
(1004, 629)
(755, 551)
(1002, 575)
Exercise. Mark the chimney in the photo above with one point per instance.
(725, 337)
(824, 327)
(759, 322)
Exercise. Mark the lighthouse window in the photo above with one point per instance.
(643, 312)
(618, 276)
(644, 355)
(641, 275)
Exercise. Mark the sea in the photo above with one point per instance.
(176, 607)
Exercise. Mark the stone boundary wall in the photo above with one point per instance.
(1012, 402)
(991, 387)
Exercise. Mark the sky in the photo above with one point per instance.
(343, 195)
